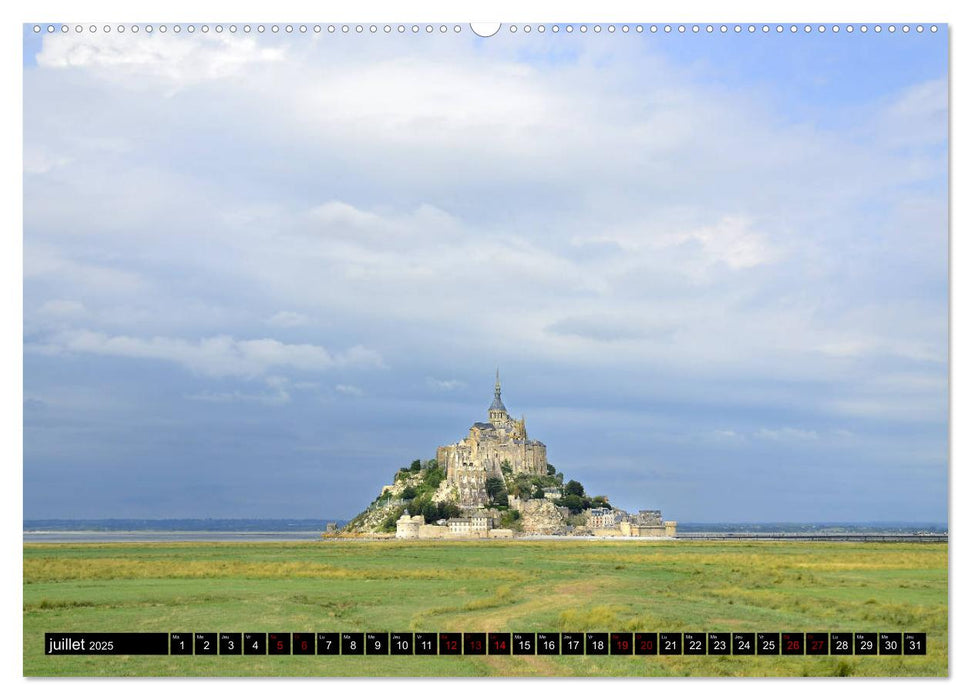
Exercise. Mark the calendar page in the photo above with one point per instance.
(449, 349)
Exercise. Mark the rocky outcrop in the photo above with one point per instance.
(541, 517)
(388, 505)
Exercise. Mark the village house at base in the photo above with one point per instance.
(501, 448)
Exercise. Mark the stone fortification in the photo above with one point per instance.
(630, 528)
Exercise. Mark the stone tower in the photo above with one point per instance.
(497, 412)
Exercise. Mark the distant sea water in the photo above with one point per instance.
(820, 528)
(176, 530)
(294, 530)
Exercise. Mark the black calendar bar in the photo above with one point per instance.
(628, 644)
(105, 643)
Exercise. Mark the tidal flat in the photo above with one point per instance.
(486, 586)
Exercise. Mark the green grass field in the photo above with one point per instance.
(486, 586)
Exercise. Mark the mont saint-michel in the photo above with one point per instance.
(496, 482)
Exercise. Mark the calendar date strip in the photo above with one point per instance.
(482, 643)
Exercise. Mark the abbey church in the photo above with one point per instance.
(469, 462)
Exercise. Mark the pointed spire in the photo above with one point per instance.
(497, 400)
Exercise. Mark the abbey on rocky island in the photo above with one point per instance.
(496, 483)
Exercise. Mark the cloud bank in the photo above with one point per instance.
(703, 261)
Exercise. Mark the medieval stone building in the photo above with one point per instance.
(487, 447)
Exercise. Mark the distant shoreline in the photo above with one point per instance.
(303, 525)
(203, 536)
(176, 530)
(163, 536)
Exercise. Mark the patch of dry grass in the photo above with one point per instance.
(55, 569)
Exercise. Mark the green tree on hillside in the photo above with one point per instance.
(433, 477)
(448, 510)
(511, 519)
(494, 485)
(522, 486)
(496, 490)
(390, 523)
(573, 488)
(600, 502)
(575, 503)
(426, 508)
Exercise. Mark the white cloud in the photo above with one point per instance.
(47, 262)
(854, 347)
(732, 242)
(476, 202)
(787, 434)
(39, 160)
(337, 212)
(886, 344)
(435, 103)
(918, 116)
(217, 356)
(388, 230)
(171, 58)
(279, 392)
(349, 390)
(288, 319)
(445, 384)
(273, 398)
(610, 328)
(61, 308)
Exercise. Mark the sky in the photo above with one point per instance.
(263, 272)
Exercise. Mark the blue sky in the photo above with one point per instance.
(262, 273)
